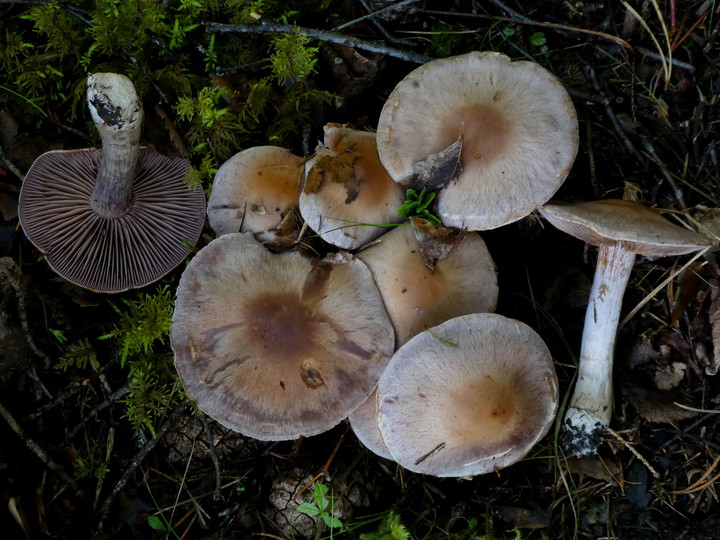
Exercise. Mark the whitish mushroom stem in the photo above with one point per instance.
(588, 415)
(117, 113)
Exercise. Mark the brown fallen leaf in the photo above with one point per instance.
(656, 405)
(525, 518)
(599, 468)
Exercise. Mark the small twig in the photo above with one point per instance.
(700, 484)
(113, 398)
(9, 269)
(650, 150)
(36, 448)
(322, 35)
(138, 459)
(10, 166)
(213, 455)
(629, 146)
(374, 14)
(637, 454)
(694, 409)
(73, 389)
(520, 19)
(660, 287)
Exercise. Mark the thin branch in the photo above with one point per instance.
(138, 459)
(10, 166)
(322, 35)
(113, 398)
(36, 448)
(374, 14)
(530, 22)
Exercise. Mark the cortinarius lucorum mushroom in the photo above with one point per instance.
(117, 218)
(278, 346)
(516, 124)
(254, 190)
(621, 230)
(467, 397)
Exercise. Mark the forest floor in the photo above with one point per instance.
(95, 438)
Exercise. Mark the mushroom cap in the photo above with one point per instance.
(254, 189)
(345, 181)
(278, 346)
(110, 254)
(641, 229)
(518, 126)
(467, 397)
(364, 423)
(418, 298)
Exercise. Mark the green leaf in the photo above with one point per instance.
(156, 523)
(538, 39)
(331, 521)
(309, 509)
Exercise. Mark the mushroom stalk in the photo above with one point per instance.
(590, 409)
(117, 113)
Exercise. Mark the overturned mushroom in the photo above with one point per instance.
(348, 195)
(278, 346)
(621, 229)
(254, 191)
(117, 218)
(467, 397)
(516, 124)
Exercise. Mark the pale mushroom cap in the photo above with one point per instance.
(469, 396)
(364, 423)
(641, 229)
(254, 189)
(278, 346)
(110, 254)
(353, 186)
(418, 298)
(519, 129)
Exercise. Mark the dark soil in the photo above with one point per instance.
(644, 135)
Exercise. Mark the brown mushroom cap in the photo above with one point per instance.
(641, 229)
(254, 189)
(418, 298)
(344, 182)
(518, 126)
(278, 346)
(110, 254)
(469, 396)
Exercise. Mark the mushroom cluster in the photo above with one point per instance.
(280, 343)
(394, 330)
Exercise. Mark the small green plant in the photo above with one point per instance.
(154, 388)
(80, 355)
(538, 39)
(143, 324)
(292, 60)
(90, 468)
(322, 507)
(210, 122)
(390, 528)
(416, 205)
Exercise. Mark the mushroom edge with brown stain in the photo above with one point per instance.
(278, 346)
(348, 198)
(621, 229)
(467, 397)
